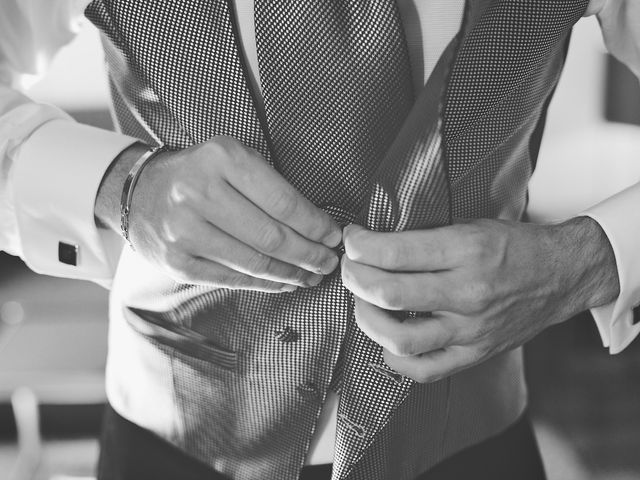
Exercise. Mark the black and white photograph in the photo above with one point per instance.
(319, 239)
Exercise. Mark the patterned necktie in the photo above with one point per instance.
(336, 82)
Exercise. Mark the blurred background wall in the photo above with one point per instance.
(586, 403)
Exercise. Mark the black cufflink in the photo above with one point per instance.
(67, 253)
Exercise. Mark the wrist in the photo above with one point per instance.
(107, 206)
(588, 261)
(129, 187)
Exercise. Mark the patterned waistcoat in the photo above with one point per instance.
(237, 379)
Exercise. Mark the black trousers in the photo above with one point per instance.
(129, 452)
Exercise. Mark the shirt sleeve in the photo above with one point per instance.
(618, 216)
(50, 166)
(620, 21)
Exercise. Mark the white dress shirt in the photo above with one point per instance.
(51, 166)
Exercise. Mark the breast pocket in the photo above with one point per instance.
(154, 327)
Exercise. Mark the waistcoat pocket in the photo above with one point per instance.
(150, 325)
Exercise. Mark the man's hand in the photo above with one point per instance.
(217, 214)
(488, 286)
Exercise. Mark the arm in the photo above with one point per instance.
(213, 214)
(217, 214)
(620, 24)
(486, 286)
(50, 166)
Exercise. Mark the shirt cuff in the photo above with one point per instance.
(618, 217)
(56, 177)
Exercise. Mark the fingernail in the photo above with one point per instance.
(333, 239)
(350, 230)
(350, 227)
(289, 288)
(314, 280)
(329, 265)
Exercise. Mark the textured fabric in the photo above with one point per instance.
(484, 118)
(347, 114)
(335, 95)
(248, 372)
(54, 201)
(128, 452)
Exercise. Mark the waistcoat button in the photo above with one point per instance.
(355, 428)
(388, 373)
(286, 334)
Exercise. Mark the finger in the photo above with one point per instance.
(423, 292)
(208, 242)
(200, 271)
(412, 336)
(265, 187)
(416, 250)
(252, 226)
(435, 365)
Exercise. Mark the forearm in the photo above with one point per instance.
(50, 166)
(586, 262)
(107, 207)
(50, 170)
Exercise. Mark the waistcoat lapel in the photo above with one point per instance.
(506, 43)
(172, 90)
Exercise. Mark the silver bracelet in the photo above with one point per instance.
(129, 185)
